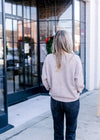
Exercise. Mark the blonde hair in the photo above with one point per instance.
(62, 42)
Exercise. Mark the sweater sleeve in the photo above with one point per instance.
(79, 81)
(44, 76)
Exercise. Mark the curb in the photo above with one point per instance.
(17, 130)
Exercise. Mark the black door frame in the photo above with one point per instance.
(25, 93)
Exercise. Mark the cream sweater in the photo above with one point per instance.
(64, 84)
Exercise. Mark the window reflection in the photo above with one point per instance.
(64, 25)
(8, 29)
(47, 12)
(19, 10)
(1, 95)
(27, 12)
(19, 35)
(27, 28)
(77, 37)
(64, 10)
(15, 30)
(77, 10)
(1, 58)
(34, 65)
(7, 8)
(33, 13)
(0, 6)
(47, 29)
(82, 11)
(14, 9)
(34, 31)
(10, 67)
(0, 22)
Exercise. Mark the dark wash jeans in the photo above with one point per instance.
(70, 110)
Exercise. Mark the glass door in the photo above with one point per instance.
(14, 56)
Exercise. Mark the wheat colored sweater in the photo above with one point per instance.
(64, 84)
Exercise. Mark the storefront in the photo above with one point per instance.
(24, 27)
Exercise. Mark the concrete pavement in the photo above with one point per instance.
(39, 127)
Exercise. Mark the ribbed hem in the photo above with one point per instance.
(64, 99)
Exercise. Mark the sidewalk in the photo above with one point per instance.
(35, 123)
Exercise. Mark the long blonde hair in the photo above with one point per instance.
(62, 43)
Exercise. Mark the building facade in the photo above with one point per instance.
(24, 28)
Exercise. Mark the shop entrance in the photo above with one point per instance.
(21, 53)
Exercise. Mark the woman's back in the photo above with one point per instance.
(65, 83)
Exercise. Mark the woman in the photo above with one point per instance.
(62, 76)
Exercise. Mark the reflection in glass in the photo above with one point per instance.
(0, 21)
(1, 95)
(19, 10)
(10, 82)
(64, 25)
(27, 28)
(77, 37)
(33, 13)
(1, 58)
(82, 52)
(7, 8)
(15, 30)
(77, 10)
(0, 6)
(34, 31)
(14, 9)
(64, 10)
(82, 11)
(82, 33)
(34, 65)
(8, 29)
(28, 77)
(28, 45)
(19, 35)
(47, 12)
(19, 82)
(10, 67)
(27, 12)
(47, 29)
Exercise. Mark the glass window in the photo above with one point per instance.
(0, 24)
(19, 26)
(0, 19)
(27, 28)
(82, 52)
(8, 8)
(14, 9)
(64, 10)
(47, 29)
(77, 38)
(64, 25)
(27, 9)
(0, 5)
(19, 82)
(15, 30)
(33, 13)
(1, 95)
(82, 11)
(10, 81)
(34, 31)
(10, 67)
(19, 10)
(77, 10)
(47, 12)
(18, 67)
(1, 58)
(9, 30)
(34, 65)
(82, 33)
